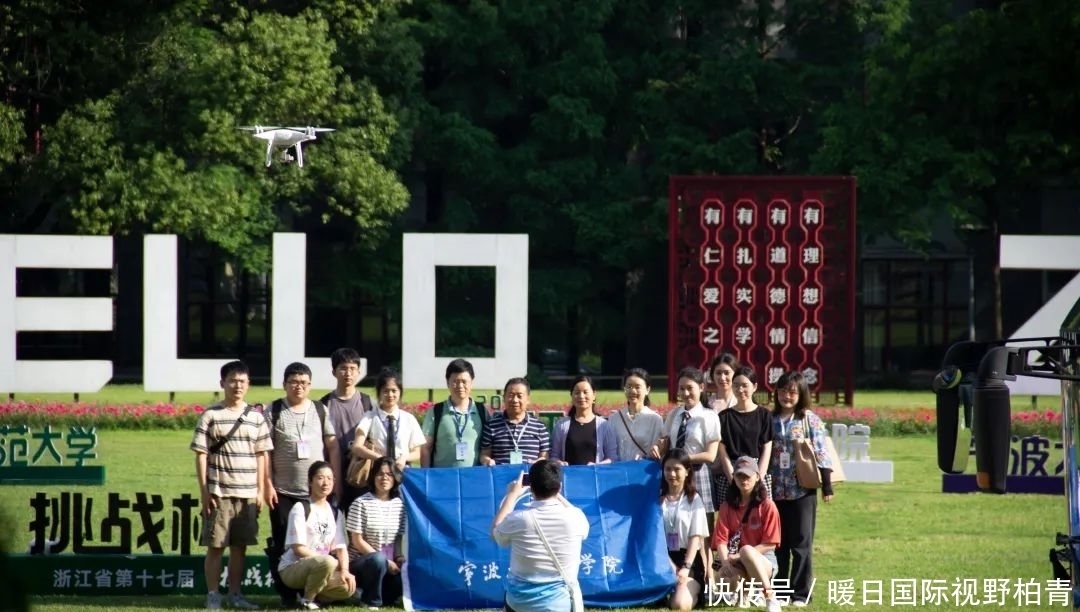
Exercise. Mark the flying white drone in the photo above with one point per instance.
(283, 138)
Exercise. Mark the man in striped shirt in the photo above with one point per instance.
(230, 443)
(512, 436)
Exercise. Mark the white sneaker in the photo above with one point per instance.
(306, 604)
(772, 605)
(237, 601)
(798, 603)
(213, 601)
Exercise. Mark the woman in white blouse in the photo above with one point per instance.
(636, 426)
(376, 527)
(315, 559)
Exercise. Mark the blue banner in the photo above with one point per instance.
(454, 564)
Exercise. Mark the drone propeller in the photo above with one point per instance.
(310, 129)
(257, 128)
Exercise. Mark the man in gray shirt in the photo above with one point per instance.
(345, 406)
(301, 432)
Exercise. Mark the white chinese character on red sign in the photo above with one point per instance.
(774, 374)
(811, 335)
(777, 335)
(742, 256)
(744, 295)
(778, 255)
(811, 295)
(711, 255)
(710, 295)
(811, 255)
(744, 216)
(711, 335)
(810, 375)
(742, 335)
(778, 295)
(811, 215)
(778, 216)
(712, 216)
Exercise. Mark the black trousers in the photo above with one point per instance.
(798, 519)
(279, 517)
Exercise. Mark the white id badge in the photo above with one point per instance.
(302, 450)
(785, 460)
(461, 451)
(516, 458)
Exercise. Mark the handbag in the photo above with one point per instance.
(837, 475)
(806, 464)
(359, 467)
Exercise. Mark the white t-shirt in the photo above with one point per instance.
(322, 532)
(702, 428)
(408, 435)
(565, 528)
(686, 518)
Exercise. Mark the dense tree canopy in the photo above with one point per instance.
(558, 118)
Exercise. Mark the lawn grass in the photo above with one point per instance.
(903, 530)
(134, 394)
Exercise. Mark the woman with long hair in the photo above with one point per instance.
(721, 371)
(685, 528)
(746, 535)
(376, 527)
(583, 437)
(745, 431)
(792, 421)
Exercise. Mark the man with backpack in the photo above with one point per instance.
(346, 405)
(452, 429)
(302, 434)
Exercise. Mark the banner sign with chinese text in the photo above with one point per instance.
(37, 456)
(764, 267)
(1036, 465)
(454, 564)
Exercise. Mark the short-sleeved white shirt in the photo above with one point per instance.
(409, 435)
(565, 528)
(702, 429)
(322, 532)
(685, 517)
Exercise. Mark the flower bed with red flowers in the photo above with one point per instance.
(882, 421)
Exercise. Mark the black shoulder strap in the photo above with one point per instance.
(217, 446)
(275, 410)
(746, 515)
(365, 401)
(307, 509)
(320, 409)
(481, 407)
(326, 398)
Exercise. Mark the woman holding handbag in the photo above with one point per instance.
(793, 425)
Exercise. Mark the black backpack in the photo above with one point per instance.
(274, 551)
(437, 414)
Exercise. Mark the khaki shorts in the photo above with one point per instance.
(234, 522)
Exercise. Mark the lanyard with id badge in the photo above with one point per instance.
(671, 522)
(303, 449)
(461, 421)
(785, 456)
(516, 456)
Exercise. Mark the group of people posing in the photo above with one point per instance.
(732, 507)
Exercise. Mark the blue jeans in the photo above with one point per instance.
(376, 585)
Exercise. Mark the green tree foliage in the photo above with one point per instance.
(565, 119)
(960, 115)
(153, 145)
